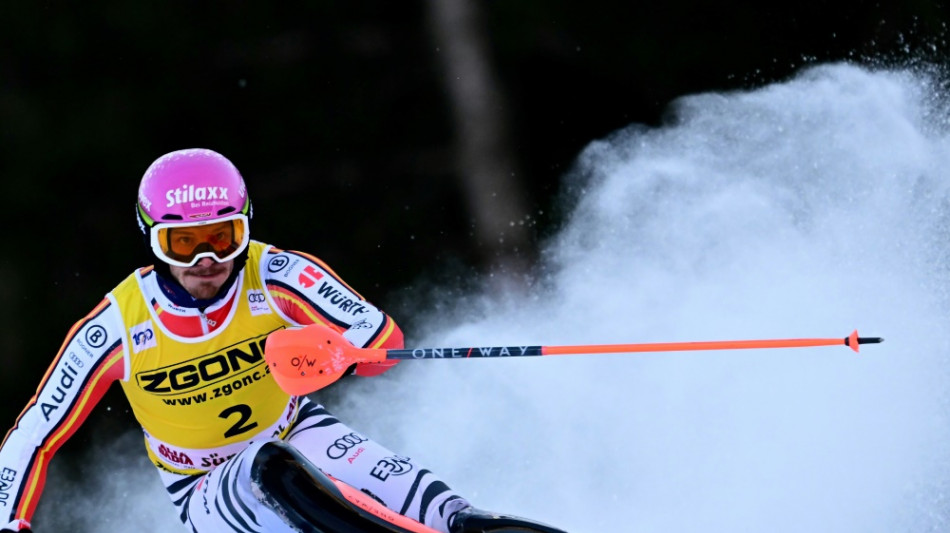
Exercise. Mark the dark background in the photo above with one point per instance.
(340, 116)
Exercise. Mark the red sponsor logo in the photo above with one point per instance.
(355, 455)
(309, 277)
(175, 456)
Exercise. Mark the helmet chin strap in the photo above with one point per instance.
(182, 298)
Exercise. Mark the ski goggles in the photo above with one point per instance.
(184, 243)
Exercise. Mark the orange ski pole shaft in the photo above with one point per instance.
(306, 359)
(852, 341)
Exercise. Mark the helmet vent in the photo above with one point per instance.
(172, 217)
(226, 210)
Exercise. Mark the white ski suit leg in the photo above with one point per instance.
(222, 500)
(395, 481)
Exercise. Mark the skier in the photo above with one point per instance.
(184, 338)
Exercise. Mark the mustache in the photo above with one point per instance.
(211, 270)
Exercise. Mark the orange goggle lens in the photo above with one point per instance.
(184, 244)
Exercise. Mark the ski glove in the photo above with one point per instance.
(373, 369)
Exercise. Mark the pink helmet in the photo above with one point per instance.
(200, 190)
(191, 185)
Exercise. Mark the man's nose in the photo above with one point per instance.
(205, 262)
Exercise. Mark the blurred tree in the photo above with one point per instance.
(486, 165)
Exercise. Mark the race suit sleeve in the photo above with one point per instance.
(306, 291)
(90, 359)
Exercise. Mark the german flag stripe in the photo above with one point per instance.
(382, 334)
(110, 368)
(288, 296)
(96, 311)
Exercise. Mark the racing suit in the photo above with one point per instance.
(198, 384)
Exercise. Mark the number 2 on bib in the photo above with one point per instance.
(243, 413)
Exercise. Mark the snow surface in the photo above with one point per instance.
(803, 209)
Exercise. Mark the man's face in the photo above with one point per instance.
(204, 278)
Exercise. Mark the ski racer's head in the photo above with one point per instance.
(193, 210)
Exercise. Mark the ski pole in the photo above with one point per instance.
(306, 359)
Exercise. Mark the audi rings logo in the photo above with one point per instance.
(257, 302)
(256, 297)
(278, 263)
(143, 336)
(96, 336)
(343, 444)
